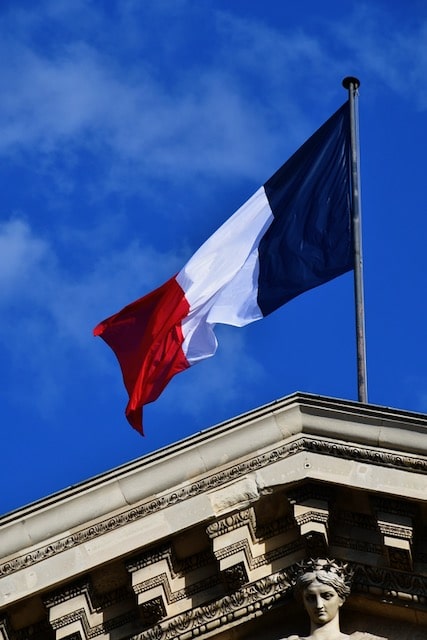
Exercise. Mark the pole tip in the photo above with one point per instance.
(351, 82)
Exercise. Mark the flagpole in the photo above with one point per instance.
(352, 85)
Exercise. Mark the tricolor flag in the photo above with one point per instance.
(293, 234)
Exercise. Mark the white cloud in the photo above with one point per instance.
(31, 273)
(21, 256)
(164, 119)
(172, 121)
(48, 312)
(387, 50)
(52, 100)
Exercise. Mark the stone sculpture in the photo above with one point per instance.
(323, 586)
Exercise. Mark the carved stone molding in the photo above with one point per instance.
(240, 606)
(213, 481)
(96, 602)
(265, 559)
(395, 521)
(78, 607)
(176, 567)
(163, 584)
(366, 454)
(242, 518)
(252, 599)
(70, 591)
(160, 578)
(243, 555)
(311, 511)
(392, 584)
(101, 631)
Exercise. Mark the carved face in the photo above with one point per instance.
(322, 602)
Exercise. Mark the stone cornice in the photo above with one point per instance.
(208, 483)
(204, 535)
(303, 412)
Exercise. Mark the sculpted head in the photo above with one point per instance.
(323, 586)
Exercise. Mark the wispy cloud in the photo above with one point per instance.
(77, 94)
(48, 311)
(21, 255)
(388, 48)
(136, 121)
(48, 314)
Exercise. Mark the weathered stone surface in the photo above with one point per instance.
(200, 539)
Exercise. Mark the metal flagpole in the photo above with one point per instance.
(352, 85)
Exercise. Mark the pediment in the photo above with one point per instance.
(202, 539)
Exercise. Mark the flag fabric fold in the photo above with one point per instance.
(292, 235)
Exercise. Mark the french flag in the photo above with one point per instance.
(293, 234)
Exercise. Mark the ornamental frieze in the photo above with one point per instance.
(248, 602)
(367, 454)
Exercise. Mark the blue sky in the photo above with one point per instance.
(129, 131)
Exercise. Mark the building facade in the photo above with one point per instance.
(203, 539)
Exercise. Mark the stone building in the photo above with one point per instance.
(201, 539)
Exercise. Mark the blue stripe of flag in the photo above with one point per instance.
(310, 239)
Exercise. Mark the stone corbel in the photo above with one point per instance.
(312, 518)
(234, 546)
(75, 612)
(164, 586)
(153, 582)
(248, 550)
(70, 611)
(397, 532)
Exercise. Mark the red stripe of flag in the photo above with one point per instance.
(146, 338)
